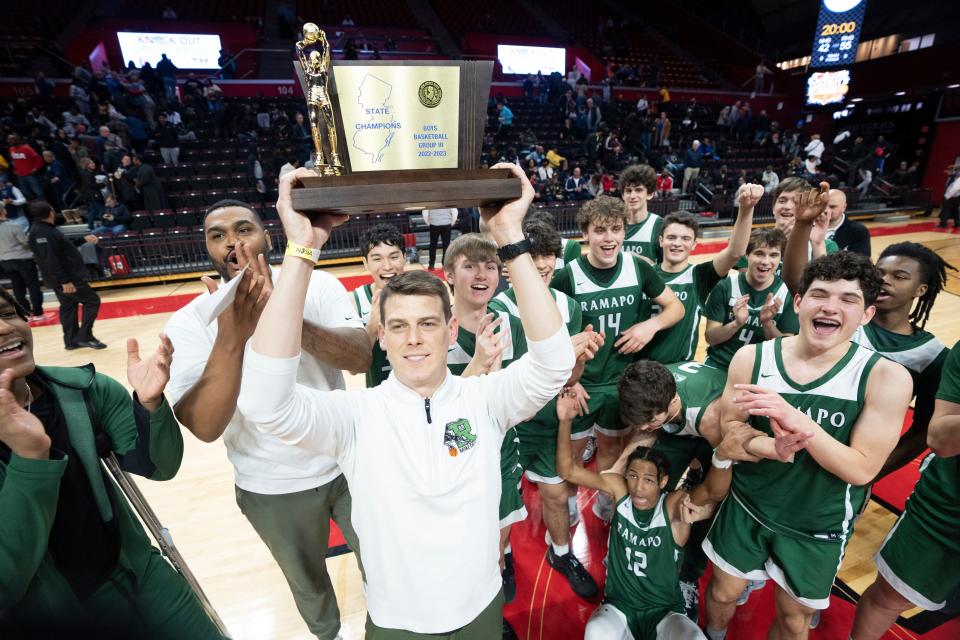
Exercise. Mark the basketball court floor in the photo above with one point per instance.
(249, 591)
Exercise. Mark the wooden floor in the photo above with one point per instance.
(236, 569)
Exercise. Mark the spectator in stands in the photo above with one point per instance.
(439, 222)
(849, 235)
(14, 201)
(27, 165)
(687, 126)
(769, 179)
(168, 13)
(151, 80)
(575, 186)
(169, 139)
(692, 162)
(664, 183)
(761, 127)
(504, 119)
(592, 116)
(113, 217)
(350, 50)
(64, 271)
(543, 88)
(125, 183)
(57, 180)
(88, 195)
(528, 88)
(814, 148)
(529, 140)
(761, 71)
(228, 66)
(213, 94)
(881, 151)
(149, 185)
(138, 97)
(595, 185)
(723, 119)
(168, 73)
(573, 76)
(80, 97)
(44, 89)
(661, 136)
(137, 130)
(866, 179)
(642, 105)
(536, 154)
(109, 147)
(950, 206)
(613, 149)
(16, 262)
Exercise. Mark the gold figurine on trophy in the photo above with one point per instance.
(316, 71)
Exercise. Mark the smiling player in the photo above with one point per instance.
(832, 412)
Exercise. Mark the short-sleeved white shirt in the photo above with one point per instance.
(262, 463)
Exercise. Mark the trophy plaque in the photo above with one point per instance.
(395, 135)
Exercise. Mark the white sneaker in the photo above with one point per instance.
(752, 586)
(590, 450)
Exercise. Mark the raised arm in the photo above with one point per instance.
(204, 386)
(810, 205)
(747, 198)
(612, 483)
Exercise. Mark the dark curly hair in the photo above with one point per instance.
(645, 389)
(544, 237)
(767, 237)
(933, 273)
(646, 454)
(639, 175)
(380, 234)
(601, 209)
(844, 265)
(684, 218)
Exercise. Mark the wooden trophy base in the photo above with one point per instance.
(413, 190)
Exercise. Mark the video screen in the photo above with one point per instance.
(186, 50)
(828, 87)
(521, 59)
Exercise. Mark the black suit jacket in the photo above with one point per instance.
(853, 236)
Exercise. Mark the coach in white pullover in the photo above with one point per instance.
(421, 452)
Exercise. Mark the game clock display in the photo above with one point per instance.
(838, 33)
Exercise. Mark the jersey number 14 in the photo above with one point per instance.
(610, 324)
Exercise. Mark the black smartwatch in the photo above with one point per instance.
(510, 251)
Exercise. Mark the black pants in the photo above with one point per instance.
(72, 333)
(949, 210)
(441, 233)
(23, 278)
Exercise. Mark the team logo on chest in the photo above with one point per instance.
(458, 437)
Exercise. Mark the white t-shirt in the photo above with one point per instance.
(264, 463)
(424, 473)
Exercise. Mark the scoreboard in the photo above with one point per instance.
(838, 33)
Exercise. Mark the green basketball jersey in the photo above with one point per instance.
(567, 306)
(571, 251)
(802, 498)
(643, 239)
(935, 501)
(697, 385)
(379, 366)
(642, 567)
(832, 247)
(719, 308)
(610, 300)
(459, 356)
(692, 287)
(921, 353)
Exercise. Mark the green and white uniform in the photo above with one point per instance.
(611, 301)
(379, 365)
(538, 435)
(698, 385)
(571, 251)
(459, 355)
(791, 522)
(920, 557)
(832, 247)
(643, 572)
(643, 238)
(719, 308)
(692, 287)
(921, 353)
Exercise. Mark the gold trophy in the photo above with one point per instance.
(395, 135)
(316, 71)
